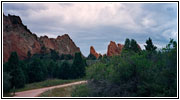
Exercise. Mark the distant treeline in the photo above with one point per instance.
(38, 67)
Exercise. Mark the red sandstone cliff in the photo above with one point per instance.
(62, 44)
(114, 49)
(93, 52)
(16, 37)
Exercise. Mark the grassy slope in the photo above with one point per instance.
(58, 92)
(46, 83)
(75, 91)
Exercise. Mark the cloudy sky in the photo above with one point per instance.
(97, 24)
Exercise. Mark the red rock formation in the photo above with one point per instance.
(16, 37)
(93, 52)
(114, 49)
(120, 47)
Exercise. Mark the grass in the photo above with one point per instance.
(80, 90)
(58, 92)
(46, 83)
(7, 95)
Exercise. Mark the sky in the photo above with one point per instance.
(96, 24)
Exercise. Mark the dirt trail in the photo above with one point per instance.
(37, 92)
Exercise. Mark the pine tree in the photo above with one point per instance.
(134, 46)
(78, 67)
(91, 57)
(150, 46)
(18, 78)
(29, 54)
(127, 44)
(36, 71)
(65, 71)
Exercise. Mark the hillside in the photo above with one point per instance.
(17, 37)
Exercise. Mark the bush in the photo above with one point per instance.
(136, 74)
(81, 91)
(6, 82)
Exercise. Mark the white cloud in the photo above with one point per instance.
(86, 15)
(98, 23)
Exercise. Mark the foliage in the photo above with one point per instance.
(29, 54)
(127, 44)
(6, 82)
(52, 68)
(81, 91)
(65, 71)
(78, 66)
(18, 78)
(58, 92)
(136, 74)
(150, 46)
(134, 46)
(36, 71)
(54, 55)
(131, 46)
(91, 57)
(100, 57)
(66, 57)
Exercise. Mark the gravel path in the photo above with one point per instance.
(37, 92)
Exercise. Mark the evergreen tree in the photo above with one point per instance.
(91, 57)
(100, 57)
(134, 46)
(18, 78)
(78, 67)
(127, 45)
(29, 54)
(6, 82)
(51, 69)
(65, 71)
(150, 46)
(43, 49)
(36, 71)
(54, 55)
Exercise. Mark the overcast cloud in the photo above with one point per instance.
(97, 24)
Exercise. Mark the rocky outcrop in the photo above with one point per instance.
(114, 49)
(17, 37)
(93, 52)
(62, 44)
(120, 47)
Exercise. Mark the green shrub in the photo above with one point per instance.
(6, 82)
(133, 74)
(81, 91)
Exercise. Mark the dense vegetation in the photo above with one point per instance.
(135, 73)
(39, 67)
